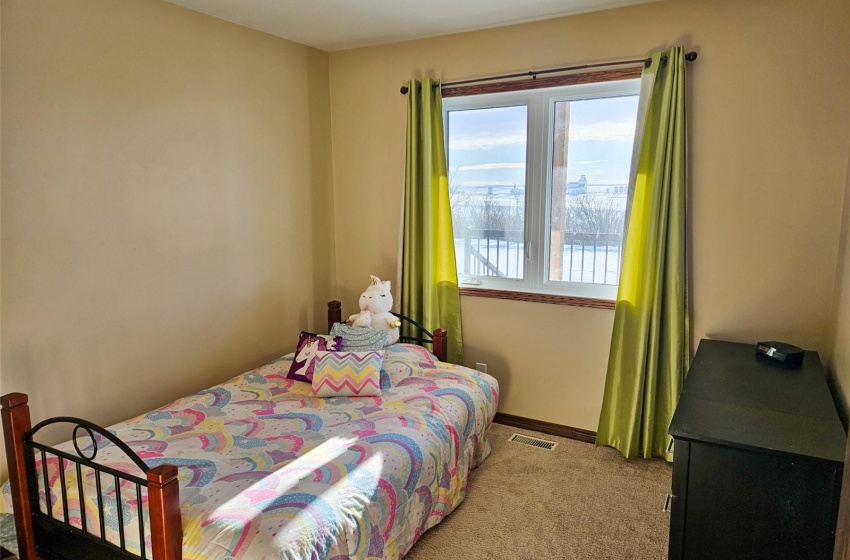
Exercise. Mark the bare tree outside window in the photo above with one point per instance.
(594, 213)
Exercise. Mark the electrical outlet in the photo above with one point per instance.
(481, 367)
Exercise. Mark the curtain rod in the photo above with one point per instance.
(690, 57)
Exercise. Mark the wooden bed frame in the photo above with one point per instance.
(44, 537)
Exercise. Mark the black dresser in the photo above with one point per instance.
(758, 457)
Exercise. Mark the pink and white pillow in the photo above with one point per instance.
(308, 345)
(347, 374)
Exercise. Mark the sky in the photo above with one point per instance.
(487, 146)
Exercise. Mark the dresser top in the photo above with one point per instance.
(734, 397)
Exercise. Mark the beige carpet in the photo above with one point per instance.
(575, 502)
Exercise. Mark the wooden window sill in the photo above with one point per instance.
(538, 298)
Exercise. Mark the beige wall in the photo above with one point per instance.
(770, 123)
(160, 172)
(839, 363)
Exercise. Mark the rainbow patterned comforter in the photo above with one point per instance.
(267, 471)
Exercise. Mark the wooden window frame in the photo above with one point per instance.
(625, 73)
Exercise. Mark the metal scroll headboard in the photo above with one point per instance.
(69, 538)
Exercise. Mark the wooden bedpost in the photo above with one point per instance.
(441, 348)
(164, 508)
(16, 422)
(334, 313)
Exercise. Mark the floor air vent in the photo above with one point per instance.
(533, 442)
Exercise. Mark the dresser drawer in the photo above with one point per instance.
(733, 503)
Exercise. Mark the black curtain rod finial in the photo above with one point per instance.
(404, 90)
(690, 57)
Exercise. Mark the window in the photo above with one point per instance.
(538, 181)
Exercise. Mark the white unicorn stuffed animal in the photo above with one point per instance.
(375, 305)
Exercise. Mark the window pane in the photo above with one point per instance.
(591, 159)
(486, 165)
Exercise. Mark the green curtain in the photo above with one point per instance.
(649, 355)
(429, 287)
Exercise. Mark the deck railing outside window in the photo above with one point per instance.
(588, 257)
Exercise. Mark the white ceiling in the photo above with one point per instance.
(333, 25)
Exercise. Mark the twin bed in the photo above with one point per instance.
(257, 468)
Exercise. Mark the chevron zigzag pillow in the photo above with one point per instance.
(347, 374)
